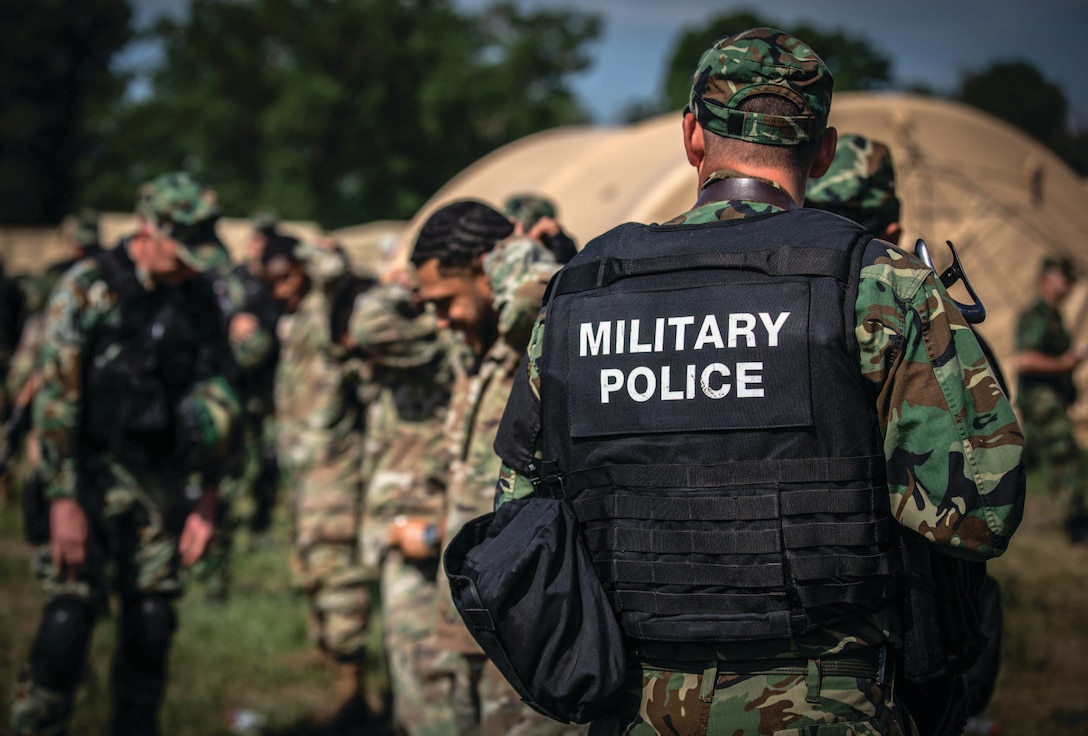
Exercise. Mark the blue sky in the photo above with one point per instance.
(928, 41)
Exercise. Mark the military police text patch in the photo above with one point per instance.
(719, 357)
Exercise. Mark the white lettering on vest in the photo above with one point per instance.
(709, 332)
(642, 382)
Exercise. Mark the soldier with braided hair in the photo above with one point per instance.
(487, 287)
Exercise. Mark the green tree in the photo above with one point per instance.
(344, 111)
(55, 83)
(853, 61)
(1017, 93)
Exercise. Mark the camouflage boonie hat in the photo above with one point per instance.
(186, 210)
(86, 227)
(761, 61)
(1065, 265)
(528, 208)
(859, 185)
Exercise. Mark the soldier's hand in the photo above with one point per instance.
(417, 537)
(242, 326)
(545, 227)
(67, 536)
(199, 530)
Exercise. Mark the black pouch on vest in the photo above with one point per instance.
(523, 582)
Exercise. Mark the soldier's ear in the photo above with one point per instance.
(694, 143)
(825, 154)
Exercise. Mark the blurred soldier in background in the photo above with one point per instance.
(321, 398)
(536, 217)
(79, 234)
(134, 402)
(860, 185)
(407, 467)
(1045, 361)
(487, 287)
(265, 225)
(248, 489)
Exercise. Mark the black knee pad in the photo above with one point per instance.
(60, 648)
(147, 627)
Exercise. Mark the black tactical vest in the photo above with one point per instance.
(705, 416)
(135, 373)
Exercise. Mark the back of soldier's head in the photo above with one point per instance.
(459, 233)
(766, 93)
(859, 185)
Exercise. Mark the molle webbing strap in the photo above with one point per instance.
(850, 533)
(707, 542)
(749, 472)
(756, 601)
(593, 506)
(738, 576)
(784, 261)
(745, 189)
(695, 603)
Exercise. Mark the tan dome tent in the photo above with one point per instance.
(1004, 200)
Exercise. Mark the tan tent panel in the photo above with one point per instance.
(1000, 197)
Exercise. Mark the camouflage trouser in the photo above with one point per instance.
(1051, 445)
(719, 703)
(339, 594)
(132, 549)
(421, 695)
(326, 560)
(484, 704)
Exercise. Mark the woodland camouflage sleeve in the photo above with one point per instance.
(951, 439)
(56, 405)
(512, 484)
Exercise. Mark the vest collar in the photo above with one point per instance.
(747, 189)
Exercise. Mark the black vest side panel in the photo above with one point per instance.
(704, 409)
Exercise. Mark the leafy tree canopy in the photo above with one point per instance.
(342, 111)
(55, 83)
(1017, 93)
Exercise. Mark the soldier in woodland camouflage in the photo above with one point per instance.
(1045, 360)
(755, 130)
(135, 404)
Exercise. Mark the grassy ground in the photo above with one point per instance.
(253, 653)
(250, 654)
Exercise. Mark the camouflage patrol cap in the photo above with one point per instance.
(761, 61)
(86, 227)
(1065, 265)
(528, 208)
(859, 185)
(186, 210)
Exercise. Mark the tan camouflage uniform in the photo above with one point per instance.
(518, 270)
(319, 439)
(406, 463)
